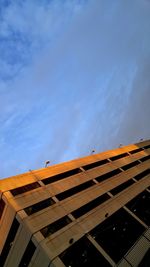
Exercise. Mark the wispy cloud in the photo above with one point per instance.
(74, 75)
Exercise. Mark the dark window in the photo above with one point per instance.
(117, 234)
(142, 174)
(60, 176)
(145, 158)
(119, 156)
(9, 242)
(39, 206)
(121, 187)
(140, 205)
(2, 206)
(89, 206)
(146, 147)
(74, 190)
(25, 188)
(55, 226)
(146, 260)
(136, 150)
(130, 165)
(30, 249)
(83, 253)
(108, 175)
(95, 164)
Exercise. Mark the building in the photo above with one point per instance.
(93, 211)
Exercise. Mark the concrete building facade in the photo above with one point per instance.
(93, 211)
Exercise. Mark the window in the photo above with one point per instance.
(25, 261)
(121, 187)
(119, 156)
(142, 174)
(146, 260)
(9, 242)
(117, 234)
(60, 176)
(89, 206)
(95, 164)
(146, 147)
(2, 206)
(83, 253)
(130, 165)
(140, 206)
(107, 175)
(25, 188)
(145, 158)
(55, 226)
(74, 190)
(39, 206)
(136, 150)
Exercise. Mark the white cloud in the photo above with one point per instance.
(79, 77)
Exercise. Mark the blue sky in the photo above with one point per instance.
(74, 76)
